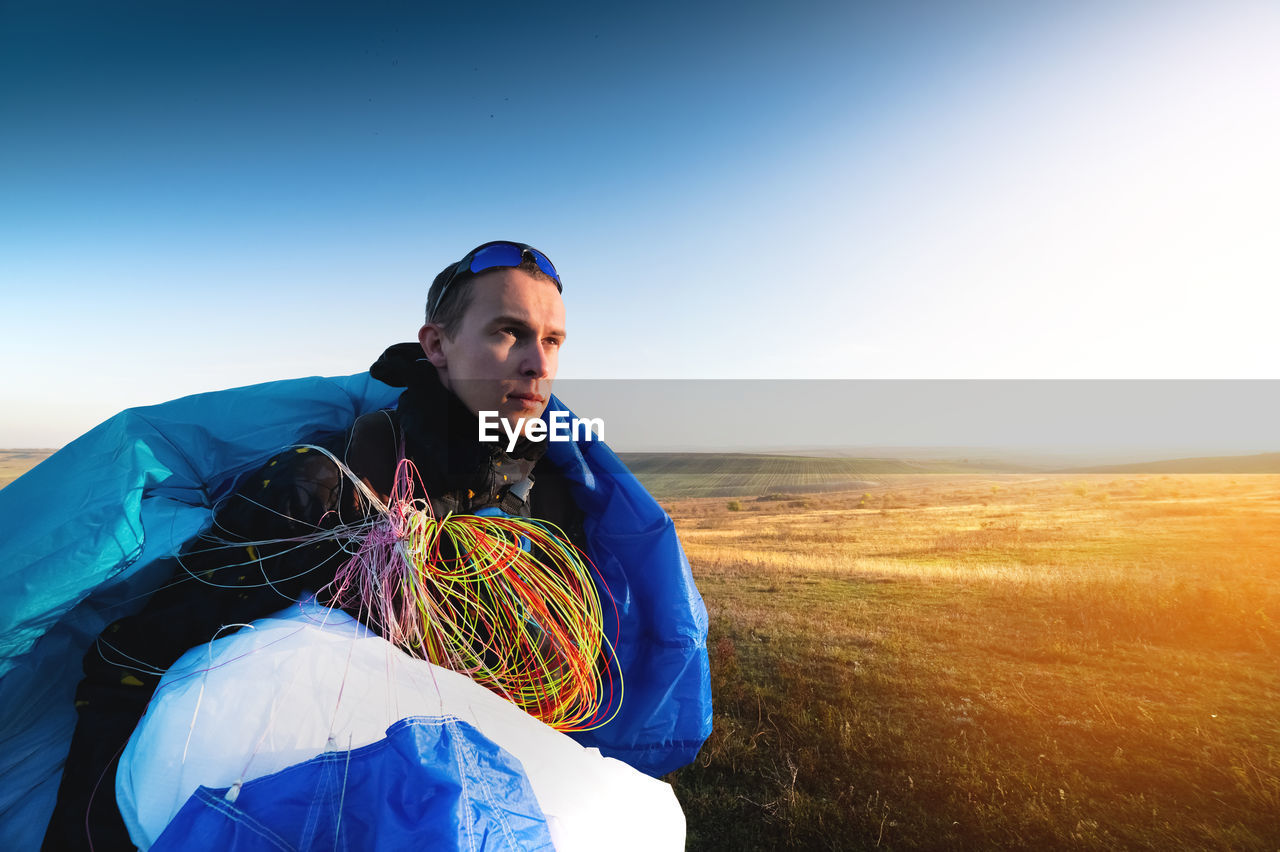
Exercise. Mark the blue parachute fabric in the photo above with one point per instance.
(431, 784)
(660, 618)
(79, 532)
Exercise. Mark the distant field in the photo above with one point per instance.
(1021, 662)
(1258, 463)
(14, 463)
(680, 475)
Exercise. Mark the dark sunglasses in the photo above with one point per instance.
(496, 255)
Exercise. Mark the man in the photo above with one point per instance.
(495, 337)
(494, 327)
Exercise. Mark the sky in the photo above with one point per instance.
(202, 195)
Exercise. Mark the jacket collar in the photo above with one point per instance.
(441, 435)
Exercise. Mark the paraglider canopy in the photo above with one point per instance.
(80, 536)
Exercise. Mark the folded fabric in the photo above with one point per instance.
(293, 699)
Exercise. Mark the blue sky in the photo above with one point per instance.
(202, 195)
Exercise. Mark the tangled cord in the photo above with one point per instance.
(508, 602)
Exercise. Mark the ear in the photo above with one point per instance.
(431, 338)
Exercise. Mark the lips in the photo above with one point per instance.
(527, 400)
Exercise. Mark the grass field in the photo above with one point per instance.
(1019, 662)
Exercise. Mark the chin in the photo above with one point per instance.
(516, 410)
(512, 415)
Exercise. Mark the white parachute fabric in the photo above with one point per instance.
(311, 680)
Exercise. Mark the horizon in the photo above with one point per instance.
(1087, 422)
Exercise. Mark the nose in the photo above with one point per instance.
(538, 362)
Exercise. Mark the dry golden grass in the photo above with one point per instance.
(966, 662)
(14, 463)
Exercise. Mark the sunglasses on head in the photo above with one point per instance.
(496, 255)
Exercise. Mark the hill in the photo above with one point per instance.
(1259, 463)
(683, 475)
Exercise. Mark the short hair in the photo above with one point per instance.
(449, 313)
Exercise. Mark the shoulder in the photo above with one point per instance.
(299, 487)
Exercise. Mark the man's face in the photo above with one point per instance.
(507, 348)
